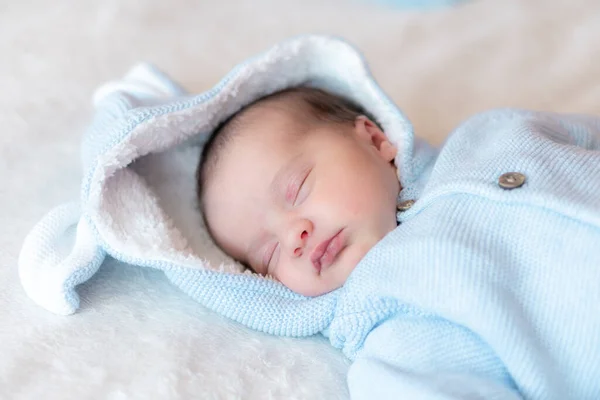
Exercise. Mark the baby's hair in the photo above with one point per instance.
(315, 104)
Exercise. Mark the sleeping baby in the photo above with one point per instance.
(314, 181)
(487, 283)
(471, 271)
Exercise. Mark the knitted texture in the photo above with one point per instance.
(483, 292)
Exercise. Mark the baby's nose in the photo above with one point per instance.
(298, 237)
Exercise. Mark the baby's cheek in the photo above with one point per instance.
(361, 204)
(357, 249)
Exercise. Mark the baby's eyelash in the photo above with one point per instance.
(296, 185)
(268, 257)
(292, 191)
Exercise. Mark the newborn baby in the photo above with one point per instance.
(488, 288)
(313, 180)
(466, 272)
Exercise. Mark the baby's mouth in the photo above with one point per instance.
(325, 253)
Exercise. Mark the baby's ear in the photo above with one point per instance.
(369, 131)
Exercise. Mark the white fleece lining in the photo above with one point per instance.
(124, 209)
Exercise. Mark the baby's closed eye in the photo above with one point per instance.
(297, 190)
(268, 258)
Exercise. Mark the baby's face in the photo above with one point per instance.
(303, 202)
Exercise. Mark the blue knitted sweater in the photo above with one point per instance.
(489, 288)
(483, 292)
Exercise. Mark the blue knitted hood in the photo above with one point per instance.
(146, 127)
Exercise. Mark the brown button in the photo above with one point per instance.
(405, 205)
(511, 180)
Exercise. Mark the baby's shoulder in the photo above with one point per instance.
(509, 129)
(500, 150)
(496, 124)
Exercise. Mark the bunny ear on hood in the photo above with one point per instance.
(122, 214)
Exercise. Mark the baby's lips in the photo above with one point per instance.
(334, 247)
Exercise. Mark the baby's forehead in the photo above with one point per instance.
(271, 123)
(291, 108)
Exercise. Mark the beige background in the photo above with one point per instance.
(136, 336)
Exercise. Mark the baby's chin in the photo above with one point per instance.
(325, 283)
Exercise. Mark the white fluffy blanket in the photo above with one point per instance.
(136, 336)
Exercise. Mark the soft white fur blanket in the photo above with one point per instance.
(136, 336)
